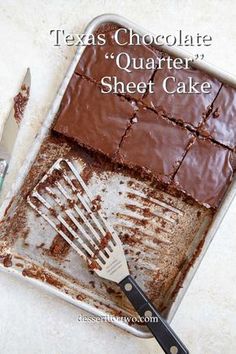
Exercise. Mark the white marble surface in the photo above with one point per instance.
(34, 322)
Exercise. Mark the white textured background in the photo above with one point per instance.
(34, 322)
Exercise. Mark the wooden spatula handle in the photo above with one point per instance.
(161, 330)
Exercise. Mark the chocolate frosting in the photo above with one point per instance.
(94, 65)
(190, 108)
(221, 123)
(205, 172)
(147, 139)
(154, 144)
(95, 120)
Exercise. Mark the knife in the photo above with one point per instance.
(12, 124)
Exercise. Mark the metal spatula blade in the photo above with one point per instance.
(63, 199)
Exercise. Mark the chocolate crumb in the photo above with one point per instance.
(110, 290)
(92, 282)
(93, 265)
(7, 261)
(19, 265)
(59, 247)
(20, 102)
(80, 297)
(41, 245)
(216, 113)
(96, 203)
(104, 241)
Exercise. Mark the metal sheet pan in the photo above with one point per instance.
(27, 254)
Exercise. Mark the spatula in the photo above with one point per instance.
(63, 199)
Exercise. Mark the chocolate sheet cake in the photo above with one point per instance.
(153, 133)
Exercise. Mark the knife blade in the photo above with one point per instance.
(12, 124)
